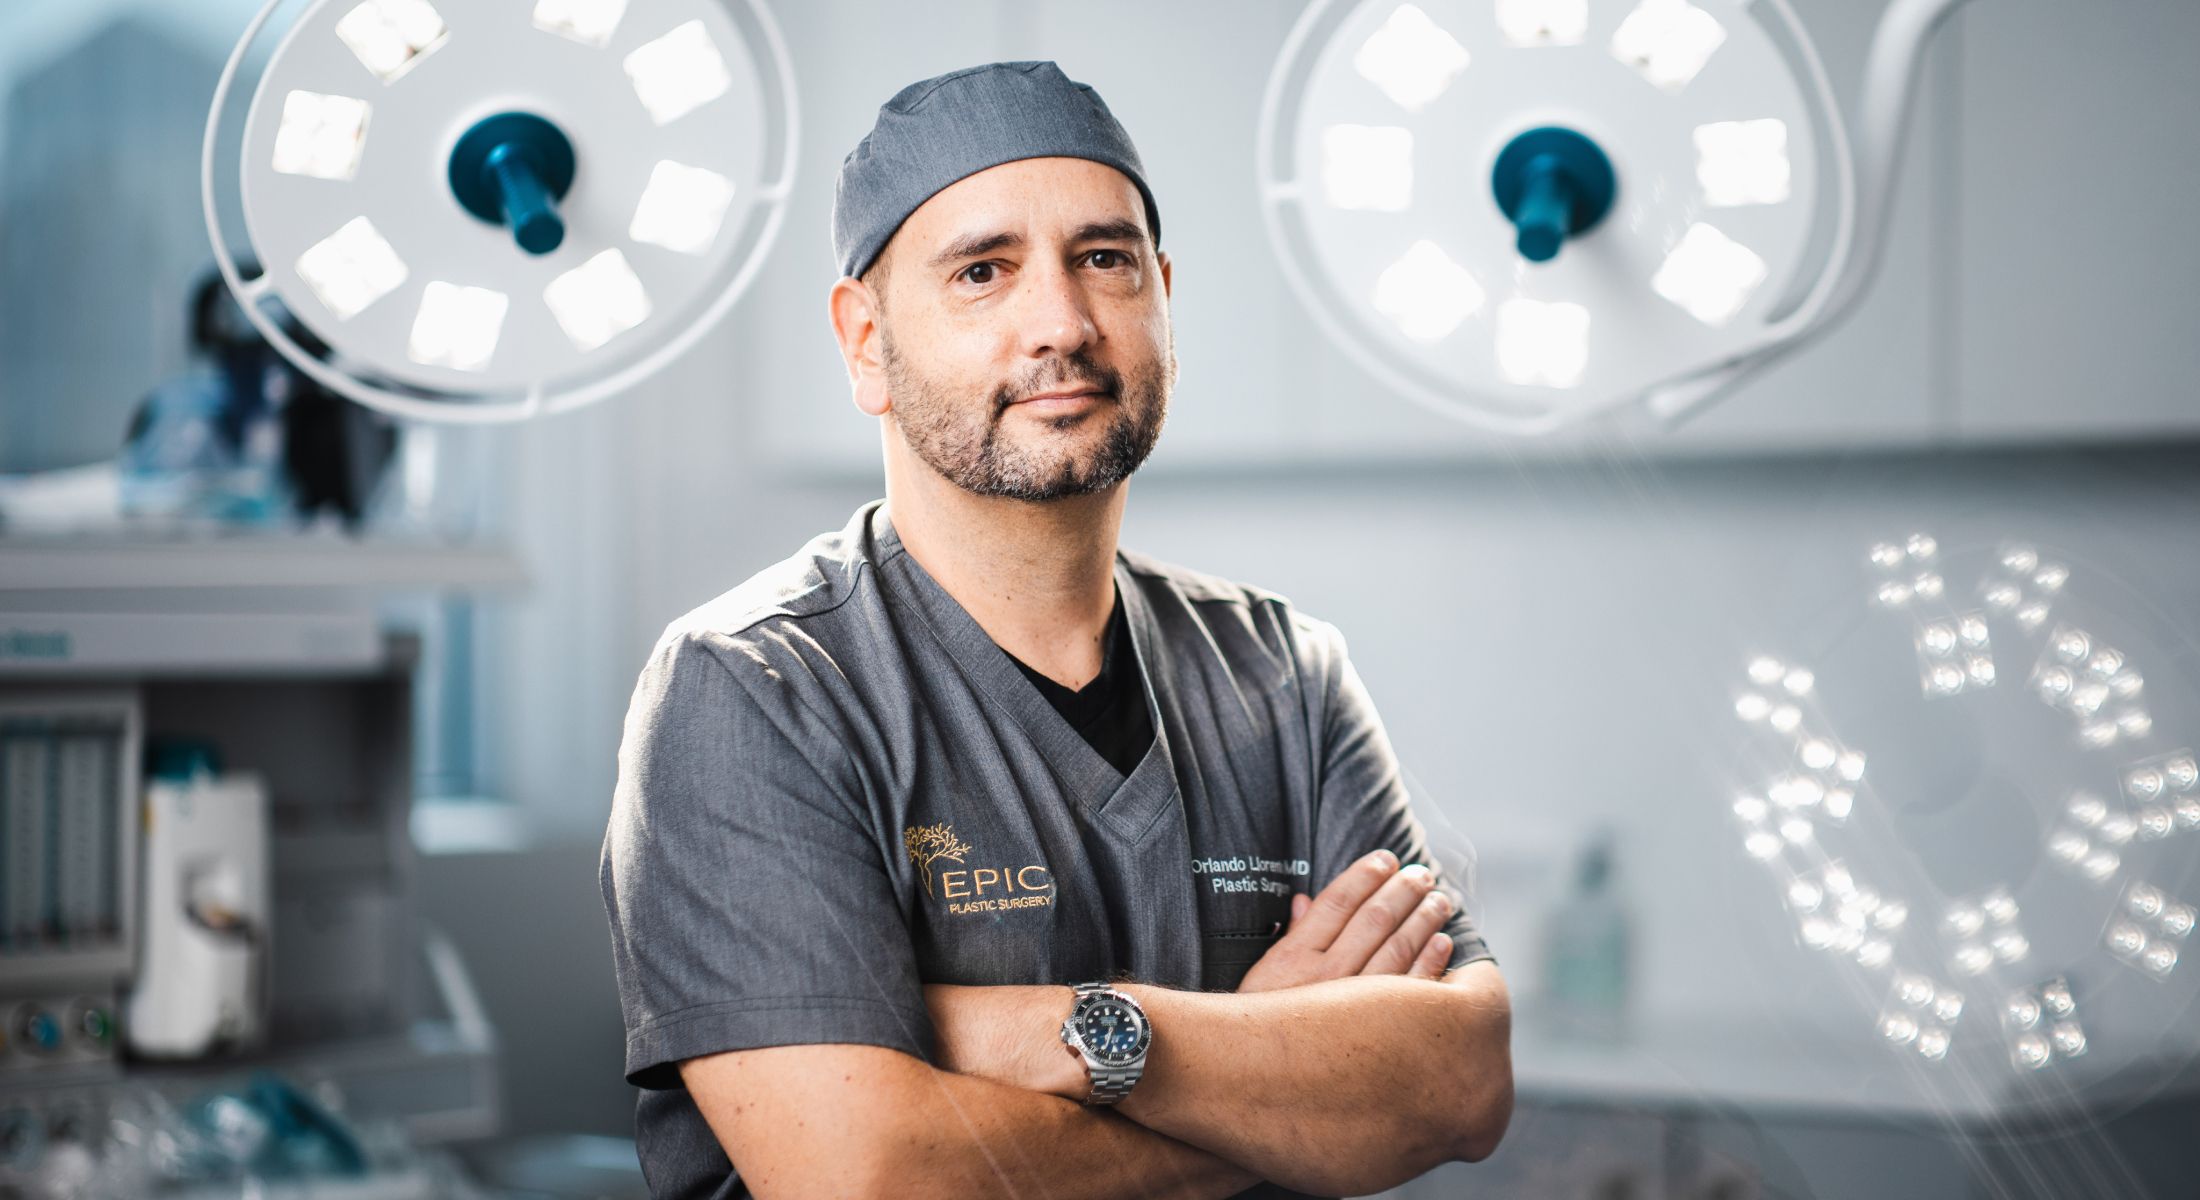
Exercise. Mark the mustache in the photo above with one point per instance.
(1077, 370)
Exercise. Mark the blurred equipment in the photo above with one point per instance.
(1527, 213)
(491, 211)
(68, 799)
(244, 438)
(202, 977)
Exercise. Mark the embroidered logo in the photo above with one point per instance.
(928, 844)
(975, 889)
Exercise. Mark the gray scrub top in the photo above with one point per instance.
(834, 788)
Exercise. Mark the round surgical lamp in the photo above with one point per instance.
(493, 209)
(1521, 213)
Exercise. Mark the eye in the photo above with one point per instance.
(1119, 259)
(979, 266)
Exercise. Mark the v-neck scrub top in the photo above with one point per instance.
(835, 788)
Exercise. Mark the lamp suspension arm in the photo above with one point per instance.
(1889, 101)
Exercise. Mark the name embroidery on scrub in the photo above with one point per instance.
(1241, 873)
(969, 889)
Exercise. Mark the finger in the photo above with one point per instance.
(1430, 965)
(1396, 955)
(1380, 917)
(1327, 914)
(1299, 901)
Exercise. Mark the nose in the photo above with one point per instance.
(1056, 320)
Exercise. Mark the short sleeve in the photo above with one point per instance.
(748, 905)
(1364, 805)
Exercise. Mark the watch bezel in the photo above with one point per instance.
(1084, 1006)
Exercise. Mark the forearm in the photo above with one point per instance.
(979, 1137)
(1348, 1086)
(902, 1128)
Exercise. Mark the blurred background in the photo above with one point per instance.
(415, 643)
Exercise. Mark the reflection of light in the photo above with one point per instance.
(1426, 293)
(351, 268)
(320, 136)
(1710, 275)
(457, 327)
(1899, 1028)
(2055, 998)
(1750, 706)
(1543, 22)
(1798, 681)
(678, 73)
(589, 22)
(2068, 1039)
(1817, 754)
(1785, 718)
(2022, 1011)
(1368, 167)
(1542, 343)
(1742, 162)
(1669, 41)
(1891, 915)
(1796, 830)
(1762, 845)
(2100, 864)
(1913, 990)
(1963, 920)
(1947, 1006)
(1765, 670)
(1750, 808)
(1411, 58)
(598, 300)
(1971, 959)
(1932, 1043)
(2030, 1051)
(2011, 947)
(391, 36)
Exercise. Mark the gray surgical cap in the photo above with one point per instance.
(933, 133)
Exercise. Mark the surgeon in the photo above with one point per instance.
(966, 853)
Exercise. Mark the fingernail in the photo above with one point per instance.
(1416, 870)
(1439, 901)
(1382, 860)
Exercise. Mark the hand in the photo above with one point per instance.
(1374, 919)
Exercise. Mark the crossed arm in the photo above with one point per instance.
(1343, 1065)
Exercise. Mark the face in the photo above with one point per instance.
(1025, 341)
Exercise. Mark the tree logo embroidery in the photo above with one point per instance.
(928, 844)
(974, 889)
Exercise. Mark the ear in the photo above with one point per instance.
(1163, 257)
(854, 312)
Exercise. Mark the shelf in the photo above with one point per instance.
(283, 562)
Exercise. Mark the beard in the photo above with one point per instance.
(963, 441)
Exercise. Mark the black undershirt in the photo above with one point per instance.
(1110, 712)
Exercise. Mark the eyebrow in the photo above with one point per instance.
(971, 245)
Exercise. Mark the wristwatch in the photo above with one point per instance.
(1110, 1032)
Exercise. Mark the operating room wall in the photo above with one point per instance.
(1548, 629)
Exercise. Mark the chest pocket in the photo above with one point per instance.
(1226, 957)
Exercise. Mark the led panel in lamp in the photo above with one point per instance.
(1669, 41)
(589, 22)
(1368, 167)
(1542, 343)
(321, 135)
(682, 208)
(1710, 275)
(1426, 293)
(1743, 162)
(598, 300)
(678, 73)
(457, 327)
(390, 37)
(1543, 22)
(1411, 58)
(352, 268)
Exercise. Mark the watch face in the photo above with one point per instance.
(1111, 1031)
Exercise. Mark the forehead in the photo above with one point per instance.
(1037, 197)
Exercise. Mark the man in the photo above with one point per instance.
(881, 806)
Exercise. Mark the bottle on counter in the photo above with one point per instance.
(1587, 942)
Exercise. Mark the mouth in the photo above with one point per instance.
(1060, 402)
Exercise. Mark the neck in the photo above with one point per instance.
(1037, 576)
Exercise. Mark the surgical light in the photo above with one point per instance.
(1695, 150)
(1542, 343)
(488, 212)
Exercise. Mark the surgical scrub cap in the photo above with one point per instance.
(933, 133)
